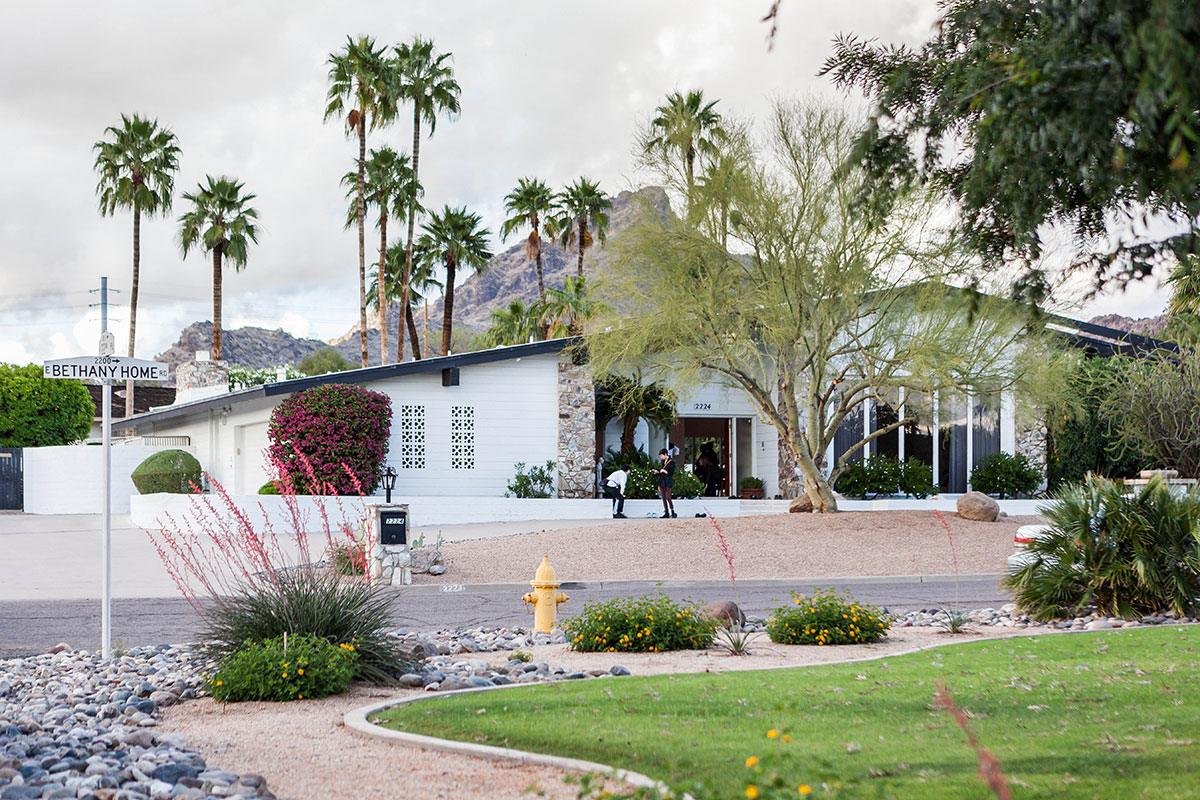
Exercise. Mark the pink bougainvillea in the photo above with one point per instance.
(332, 438)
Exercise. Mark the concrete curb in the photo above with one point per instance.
(357, 721)
(764, 583)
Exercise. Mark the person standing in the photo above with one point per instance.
(614, 489)
(666, 480)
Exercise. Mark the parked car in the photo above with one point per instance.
(1025, 535)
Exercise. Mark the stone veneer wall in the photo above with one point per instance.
(1031, 443)
(201, 375)
(576, 431)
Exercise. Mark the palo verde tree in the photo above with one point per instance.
(136, 164)
(815, 311)
(1033, 114)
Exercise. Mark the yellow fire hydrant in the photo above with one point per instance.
(545, 597)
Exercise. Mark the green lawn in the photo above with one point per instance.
(1112, 714)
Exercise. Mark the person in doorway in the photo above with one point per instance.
(666, 480)
(712, 474)
(673, 450)
(614, 489)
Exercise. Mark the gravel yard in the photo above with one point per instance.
(862, 543)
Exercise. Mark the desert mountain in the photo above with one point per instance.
(1146, 326)
(510, 276)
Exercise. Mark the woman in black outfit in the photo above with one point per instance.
(666, 479)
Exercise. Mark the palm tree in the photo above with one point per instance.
(423, 280)
(690, 127)
(532, 202)
(515, 323)
(425, 79)
(583, 209)
(566, 309)
(223, 223)
(1185, 287)
(391, 187)
(455, 238)
(361, 76)
(137, 170)
(630, 400)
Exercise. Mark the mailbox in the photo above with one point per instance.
(393, 526)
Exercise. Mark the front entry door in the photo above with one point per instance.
(696, 434)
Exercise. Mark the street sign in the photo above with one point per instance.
(111, 368)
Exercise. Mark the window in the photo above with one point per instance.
(462, 437)
(412, 437)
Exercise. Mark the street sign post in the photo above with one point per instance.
(106, 368)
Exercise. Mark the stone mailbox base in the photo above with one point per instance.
(391, 564)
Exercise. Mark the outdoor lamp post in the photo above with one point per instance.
(389, 481)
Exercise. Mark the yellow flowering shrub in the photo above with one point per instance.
(650, 623)
(827, 618)
(279, 669)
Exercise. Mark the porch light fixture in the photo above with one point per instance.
(389, 481)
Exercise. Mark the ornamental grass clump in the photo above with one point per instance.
(827, 618)
(651, 623)
(284, 668)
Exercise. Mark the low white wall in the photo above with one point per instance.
(70, 479)
(151, 510)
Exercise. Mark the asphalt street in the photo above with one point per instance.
(33, 626)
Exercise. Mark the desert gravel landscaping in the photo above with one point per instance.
(850, 543)
(305, 752)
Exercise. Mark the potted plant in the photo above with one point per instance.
(752, 488)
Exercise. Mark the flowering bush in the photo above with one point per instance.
(340, 431)
(643, 484)
(827, 618)
(651, 623)
(284, 668)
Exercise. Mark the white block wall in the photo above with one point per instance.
(70, 479)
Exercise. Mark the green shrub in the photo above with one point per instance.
(827, 618)
(268, 488)
(615, 459)
(1126, 555)
(750, 482)
(536, 482)
(314, 603)
(1005, 474)
(642, 484)
(650, 623)
(876, 476)
(284, 668)
(916, 478)
(169, 471)
(42, 412)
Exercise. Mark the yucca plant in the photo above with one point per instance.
(1124, 554)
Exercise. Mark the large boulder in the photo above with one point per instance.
(978, 506)
(801, 505)
(170, 471)
(724, 611)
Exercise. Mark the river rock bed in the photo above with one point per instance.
(73, 725)
(1008, 616)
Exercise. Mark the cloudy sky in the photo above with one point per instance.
(550, 89)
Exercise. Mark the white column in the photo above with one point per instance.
(970, 437)
(900, 430)
(867, 405)
(937, 442)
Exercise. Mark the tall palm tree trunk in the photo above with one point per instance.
(448, 306)
(412, 333)
(216, 351)
(538, 262)
(133, 299)
(383, 302)
(412, 219)
(582, 233)
(362, 241)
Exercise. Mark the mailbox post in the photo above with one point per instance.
(391, 561)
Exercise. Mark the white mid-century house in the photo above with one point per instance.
(461, 422)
